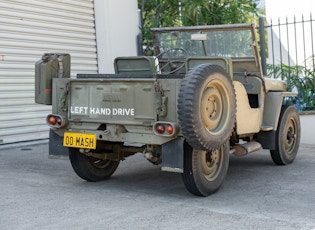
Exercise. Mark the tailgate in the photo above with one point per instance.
(118, 101)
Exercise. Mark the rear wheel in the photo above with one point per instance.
(90, 168)
(287, 136)
(205, 171)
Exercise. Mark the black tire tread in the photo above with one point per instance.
(193, 179)
(84, 169)
(187, 176)
(277, 155)
(186, 107)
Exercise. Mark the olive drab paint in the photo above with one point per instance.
(51, 65)
(202, 97)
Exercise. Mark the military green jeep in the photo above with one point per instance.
(200, 98)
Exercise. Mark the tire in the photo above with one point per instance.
(90, 168)
(287, 136)
(204, 172)
(206, 107)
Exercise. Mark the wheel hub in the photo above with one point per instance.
(212, 108)
(98, 163)
(290, 136)
(211, 164)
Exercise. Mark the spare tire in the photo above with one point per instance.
(206, 107)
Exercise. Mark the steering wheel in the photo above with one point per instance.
(180, 53)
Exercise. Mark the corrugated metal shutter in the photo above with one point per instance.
(27, 30)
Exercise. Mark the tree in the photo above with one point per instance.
(163, 13)
(213, 12)
(158, 13)
(170, 13)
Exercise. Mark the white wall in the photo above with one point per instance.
(307, 129)
(117, 26)
(282, 9)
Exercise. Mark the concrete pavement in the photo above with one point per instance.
(41, 193)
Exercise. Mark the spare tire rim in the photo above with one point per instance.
(215, 106)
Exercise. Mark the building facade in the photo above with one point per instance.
(93, 32)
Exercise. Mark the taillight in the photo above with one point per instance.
(165, 128)
(55, 121)
(169, 129)
(52, 120)
(160, 129)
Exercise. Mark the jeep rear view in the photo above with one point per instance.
(200, 98)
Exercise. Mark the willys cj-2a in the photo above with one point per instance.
(200, 98)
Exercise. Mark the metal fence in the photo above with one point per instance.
(288, 54)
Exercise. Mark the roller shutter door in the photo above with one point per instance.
(27, 30)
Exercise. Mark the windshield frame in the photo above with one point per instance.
(156, 32)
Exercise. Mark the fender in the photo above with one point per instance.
(273, 104)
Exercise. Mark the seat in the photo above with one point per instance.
(135, 64)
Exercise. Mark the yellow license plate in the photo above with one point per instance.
(79, 140)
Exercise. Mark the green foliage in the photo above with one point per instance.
(214, 12)
(164, 13)
(158, 13)
(298, 78)
(172, 13)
